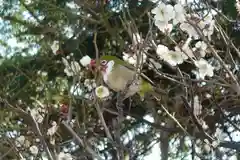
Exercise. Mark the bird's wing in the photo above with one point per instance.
(118, 79)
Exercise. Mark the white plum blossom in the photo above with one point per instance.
(88, 96)
(85, 60)
(179, 14)
(163, 12)
(75, 67)
(55, 46)
(102, 92)
(204, 125)
(76, 89)
(128, 58)
(207, 25)
(51, 131)
(27, 143)
(42, 73)
(174, 57)
(215, 143)
(207, 147)
(162, 50)
(64, 156)
(71, 69)
(34, 150)
(163, 26)
(87, 82)
(189, 29)
(197, 107)
(206, 21)
(20, 141)
(36, 115)
(68, 57)
(132, 59)
(65, 62)
(90, 84)
(219, 134)
(201, 46)
(208, 31)
(204, 68)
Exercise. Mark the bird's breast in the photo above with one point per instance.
(116, 82)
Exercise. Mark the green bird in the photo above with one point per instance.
(121, 76)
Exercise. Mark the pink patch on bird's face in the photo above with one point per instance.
(59, 52)
(92, 65)
(64, 108)
(92, 62)
(102, 66)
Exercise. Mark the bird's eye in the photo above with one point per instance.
(103, 62)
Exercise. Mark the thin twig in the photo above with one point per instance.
(5, 154)
(80, 141)
(215, 54)
(35, 125)
(100, 114)
(45, 146)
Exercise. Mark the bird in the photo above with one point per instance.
(120, 76)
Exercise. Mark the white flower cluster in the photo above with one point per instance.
(37, 114)
(172, 57)
(81, 89)
(55, 47)
(21, 141)
(134, 59)
(51, 131)
(64, 156)
(84, 90)
(42, 73)
(90, 84)
(139, 57)
(34, 150)
(178, 57)
(71, 69)
(85, 60)
(197, 107)
(201, 47)
(166, 15)
(206, 25)
(204, 69)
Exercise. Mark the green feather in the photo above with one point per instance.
(145, 88)
(116, 60)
